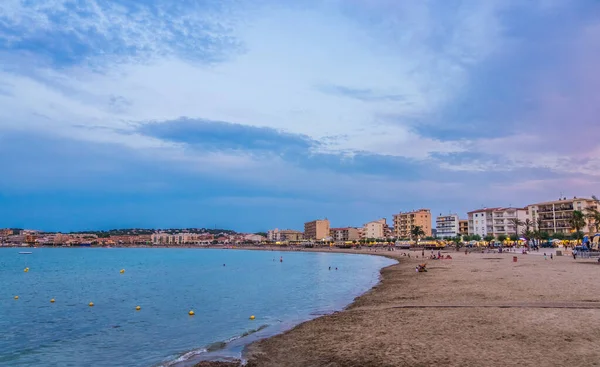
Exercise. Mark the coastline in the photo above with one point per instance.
(250, 350)
(224, 358)
(480, 309)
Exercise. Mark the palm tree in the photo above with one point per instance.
(593, 215)
(517, 223)
(528, 224)
(417, 232)
(577, 222)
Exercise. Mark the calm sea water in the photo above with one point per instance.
(166, 284)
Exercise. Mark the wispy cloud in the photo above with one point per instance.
(372, 98)
(366, 95)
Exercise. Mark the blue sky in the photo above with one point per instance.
(259, 114)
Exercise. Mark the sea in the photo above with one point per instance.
(224, 288)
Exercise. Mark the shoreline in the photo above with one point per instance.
(248, 351)
(480, 309)
(216, 359)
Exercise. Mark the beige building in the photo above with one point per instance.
(344, 234)
(316, 230)
(376, 229)
(463, 227)
(277, 235)
(555, 215)
(405, 222)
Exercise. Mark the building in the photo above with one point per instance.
(463, 227)
(291, 235)
(377, 229)
(277, 235)
(447, 226)
(405, 222)
(496, 221)
(554, 216)
(178, 239)
(344, 234)
(316, 230)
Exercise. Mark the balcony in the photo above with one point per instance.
(563, 207)
(545, 209)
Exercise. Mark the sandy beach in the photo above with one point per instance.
(480, 309)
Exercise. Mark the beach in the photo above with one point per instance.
(480, 309)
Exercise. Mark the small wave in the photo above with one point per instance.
(213, 347)
(184, 357)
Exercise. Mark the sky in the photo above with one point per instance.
(262, 114)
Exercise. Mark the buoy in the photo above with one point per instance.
(16, 297)
(26, 270)
(52, 300)
(191, 313)
(91, 304)
(122, 271)
(252, 317)
(137, 308)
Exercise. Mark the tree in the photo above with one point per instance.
(466, 238)
(475, 237)
(488, 238)
(417, 232)
(558, 236)
(543, 235)
(514, 237)
(517, 223)
(527, 233)
(502, 237)
(577, 222)
(593, 216)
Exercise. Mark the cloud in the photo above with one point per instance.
(374, 104)
(215, 135)
(365, 95)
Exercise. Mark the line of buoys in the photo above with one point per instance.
(137, 308)
(91, 304)
(191, 313)
(16, 297)
(52, 300)
(252, 317)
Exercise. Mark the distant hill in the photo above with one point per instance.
(144, 231)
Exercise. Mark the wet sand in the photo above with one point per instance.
(473, 310)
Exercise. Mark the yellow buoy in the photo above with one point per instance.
(16, 297)
(26, 270)
(122, 271)
(191, 313)
(91, 304)
(137, 308)
(52, 300)
(252, 317)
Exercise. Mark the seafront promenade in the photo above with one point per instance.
(480, 309)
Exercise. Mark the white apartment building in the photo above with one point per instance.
(496, 221)
(375, 229)
(447, 226)
(274, 235)
(176, 239)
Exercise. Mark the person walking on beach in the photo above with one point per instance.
(545, 256)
